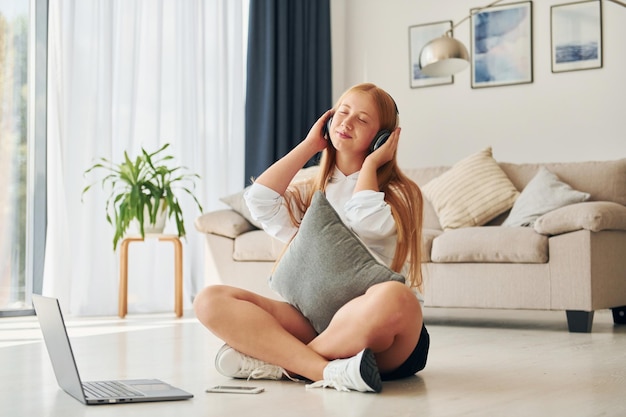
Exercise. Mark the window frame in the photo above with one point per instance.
(36, 216)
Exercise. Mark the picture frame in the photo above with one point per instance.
(419, 36)
(502, 45)
(576, 36)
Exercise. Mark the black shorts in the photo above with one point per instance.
(415, 362)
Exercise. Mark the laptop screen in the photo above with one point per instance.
(58, 345)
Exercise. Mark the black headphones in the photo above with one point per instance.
(379, 139)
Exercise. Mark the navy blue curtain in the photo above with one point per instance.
(289, 76)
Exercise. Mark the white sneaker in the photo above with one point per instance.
(358, 373)
(231, 363)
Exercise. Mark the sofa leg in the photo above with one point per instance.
(619, 315)
(579, 321)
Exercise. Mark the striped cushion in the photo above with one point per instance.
(472, 192)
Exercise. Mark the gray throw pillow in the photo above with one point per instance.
(326, 265)
(544, 193)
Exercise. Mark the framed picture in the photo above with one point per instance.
(576, 35)
(502, 45)
(420, 35)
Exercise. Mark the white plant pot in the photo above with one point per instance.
(148, 227)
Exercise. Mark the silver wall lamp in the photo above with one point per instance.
(445, 56)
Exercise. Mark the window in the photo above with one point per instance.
(23, 43)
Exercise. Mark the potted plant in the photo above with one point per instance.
(142, 189)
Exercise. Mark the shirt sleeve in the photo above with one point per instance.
(268, 208)
(369, 216)
(365, 212)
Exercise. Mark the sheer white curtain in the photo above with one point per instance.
(126, 74)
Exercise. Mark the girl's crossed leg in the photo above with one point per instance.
(386, 320)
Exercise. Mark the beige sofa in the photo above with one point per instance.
(572, 259)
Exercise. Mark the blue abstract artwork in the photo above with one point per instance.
(502, 45)
(576, 36)
(573, 52)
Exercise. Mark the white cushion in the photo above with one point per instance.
(472, 192)
(544, 193)
(227, 223)
(237, 203)
(490, 244)
(591, 215)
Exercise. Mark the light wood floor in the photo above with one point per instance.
(481, 363)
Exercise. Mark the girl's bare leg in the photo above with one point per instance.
(387, 319)
(265, 329)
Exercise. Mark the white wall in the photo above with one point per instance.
(572, 116)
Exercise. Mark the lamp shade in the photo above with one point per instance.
(443, 56)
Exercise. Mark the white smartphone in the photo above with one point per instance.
(235, 389)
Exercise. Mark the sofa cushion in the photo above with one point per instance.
(422, 176)
(490, 244)
(472, 192)
(430, 219)
(226, 223)
(257, 245)
(544, 193)
(428, 235)
(604, 180)
(326, 265)
(236, 201)
(593, 215)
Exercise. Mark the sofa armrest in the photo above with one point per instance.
(225, 222)
(591, 215)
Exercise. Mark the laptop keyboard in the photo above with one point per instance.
(106, 389)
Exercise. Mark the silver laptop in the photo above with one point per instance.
(96, 392)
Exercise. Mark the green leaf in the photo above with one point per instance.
(141, 183)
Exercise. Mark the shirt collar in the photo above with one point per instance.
(338, 176)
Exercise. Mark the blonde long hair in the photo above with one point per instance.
(401, 193)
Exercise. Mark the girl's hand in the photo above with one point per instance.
(280, 173)
(386, 152)
(315, 137)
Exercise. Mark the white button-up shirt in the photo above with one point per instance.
(366, 213)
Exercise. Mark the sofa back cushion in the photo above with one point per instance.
(422, 176)
(604, 180)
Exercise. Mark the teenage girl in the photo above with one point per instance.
(375, 337)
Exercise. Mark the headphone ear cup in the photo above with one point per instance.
(380, 138)
(326, 128)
